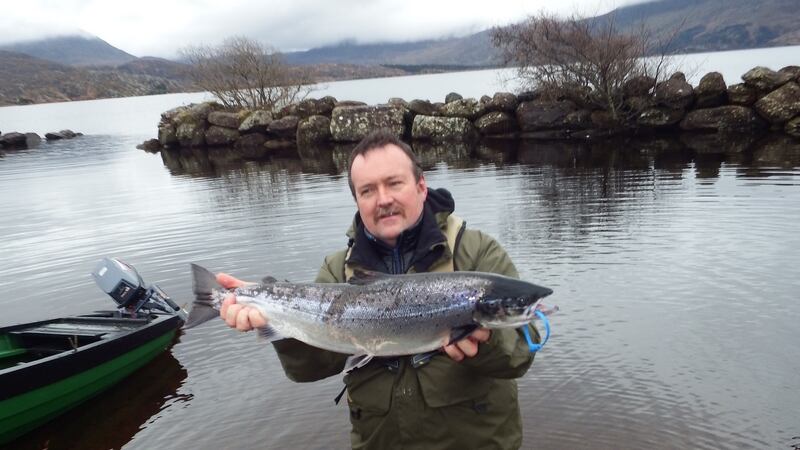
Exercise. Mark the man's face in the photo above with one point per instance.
(389, 199)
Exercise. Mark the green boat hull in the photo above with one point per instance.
(24, 412)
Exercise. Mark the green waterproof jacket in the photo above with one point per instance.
(443, 404)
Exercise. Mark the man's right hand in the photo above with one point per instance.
(241, 317)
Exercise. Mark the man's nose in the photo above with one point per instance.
(384, 197)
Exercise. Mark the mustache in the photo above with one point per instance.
(387, 211)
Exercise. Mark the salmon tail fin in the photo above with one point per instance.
(205, 306)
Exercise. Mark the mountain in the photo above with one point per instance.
(473, 50)
(701, 25)
(25, 79)
(72, 51)
(715, 25)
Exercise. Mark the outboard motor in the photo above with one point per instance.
(124, 284)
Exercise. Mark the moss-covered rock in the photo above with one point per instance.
(442, 128)
(723, 118)
(780, 105)
(352, 123)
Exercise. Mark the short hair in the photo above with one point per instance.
(378, 139)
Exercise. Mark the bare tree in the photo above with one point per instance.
(243, 73)
(587, 60)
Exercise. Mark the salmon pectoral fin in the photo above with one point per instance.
(459, 333)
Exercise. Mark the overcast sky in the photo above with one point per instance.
(160, 27)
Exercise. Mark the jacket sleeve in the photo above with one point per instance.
(505, 354)
(303, 362)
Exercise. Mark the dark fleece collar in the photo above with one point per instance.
(427, 239)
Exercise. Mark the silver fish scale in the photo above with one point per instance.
(355, 319)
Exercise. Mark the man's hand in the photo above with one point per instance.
(467, 347)
(241, 317)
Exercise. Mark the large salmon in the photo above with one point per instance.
(377, 314)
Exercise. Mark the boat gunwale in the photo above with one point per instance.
(31, 375)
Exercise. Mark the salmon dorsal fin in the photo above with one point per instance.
(361, 277)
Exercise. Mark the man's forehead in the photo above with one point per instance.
(389, 160)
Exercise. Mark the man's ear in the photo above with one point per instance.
(423, 186)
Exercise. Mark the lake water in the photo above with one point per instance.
(674, 263)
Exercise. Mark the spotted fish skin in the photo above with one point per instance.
(377, 314)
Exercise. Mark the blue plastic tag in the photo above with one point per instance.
(533, 347)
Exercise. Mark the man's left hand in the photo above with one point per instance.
(467, 347)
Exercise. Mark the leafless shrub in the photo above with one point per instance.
(243, 73)
(587, 60)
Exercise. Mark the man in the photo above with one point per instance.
(464, 397)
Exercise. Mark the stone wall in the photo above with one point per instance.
(765, 100)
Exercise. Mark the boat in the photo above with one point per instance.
(51, 366)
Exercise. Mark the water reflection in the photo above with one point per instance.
(671, 154)
(110, 420)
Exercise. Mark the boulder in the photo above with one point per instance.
(314, 129)
(225, 119)
(422, 107)
(792, 127)
(442, 128)
(468, 108)
(765, 79)
(288, 110)
(501, 101)
(330, 100)
(638, 104)
(659, 117)
(794, 71)
(311, 107)
(191, 133)
(285, 127)
(256, 122)
(675, 93)
(32, 140)
(150, 145)
(217, 135)
(639, 86)
(54, 136)
(348, 103)
(781, 104)
(496, 122)
(16, 140)
(170, 115)
(397, 101)
(723, 118)
(166, 135)
(578, 120)
(529, 96)
(712, 91)
(542, 114)
(198, 112)
(352, 123)
(742, 94)
(451, 97)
